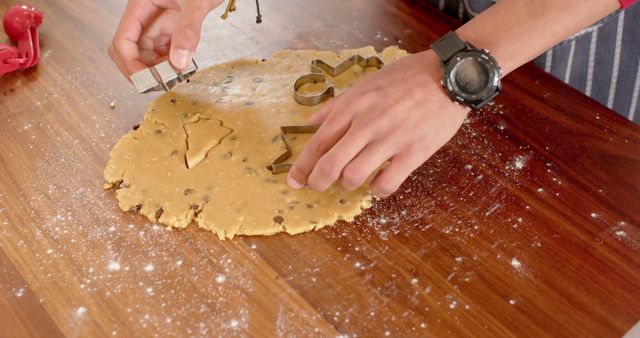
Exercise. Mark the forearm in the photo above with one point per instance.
(516, 31)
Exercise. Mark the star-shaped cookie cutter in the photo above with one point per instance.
(280, 165)
(319, 70)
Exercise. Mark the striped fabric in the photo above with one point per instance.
(602, 61)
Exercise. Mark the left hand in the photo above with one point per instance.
(152, 31)
(399, 114)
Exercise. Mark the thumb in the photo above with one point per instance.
(187, 34)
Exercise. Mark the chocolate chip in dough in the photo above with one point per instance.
(159, 213)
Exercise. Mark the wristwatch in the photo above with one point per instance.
(471, 75)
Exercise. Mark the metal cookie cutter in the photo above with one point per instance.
(319, 69)
(279, 166)
(161, 77)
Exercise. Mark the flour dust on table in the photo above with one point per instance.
(202, 151)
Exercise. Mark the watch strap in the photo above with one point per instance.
(448, 46)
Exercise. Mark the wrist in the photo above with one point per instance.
(434, 76)
(470, 76)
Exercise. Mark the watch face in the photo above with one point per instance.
(472, 76)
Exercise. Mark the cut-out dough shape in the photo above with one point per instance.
(231, 191)
(203, 134)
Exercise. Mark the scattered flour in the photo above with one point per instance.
(113, 266)
(515, 263)
(519, 162)
(81, 311)
(20, 292)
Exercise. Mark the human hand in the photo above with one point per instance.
(151, 31)
(399, 114)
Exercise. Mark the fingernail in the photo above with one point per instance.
(293, 183)
(378, 194)
(180, 58)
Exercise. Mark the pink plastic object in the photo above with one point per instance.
(9, 59)
(21, 24)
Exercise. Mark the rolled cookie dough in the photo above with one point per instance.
(202, 149)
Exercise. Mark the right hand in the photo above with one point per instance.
(151, 31)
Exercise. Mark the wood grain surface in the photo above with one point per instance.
(526, 224)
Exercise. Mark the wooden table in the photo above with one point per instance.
(526, 224)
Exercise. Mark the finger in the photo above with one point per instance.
(330, 165)
(334, 127)
(186, 37)
(162, 44)
(323, 113)
(323, 140)
(126, 66)
(116, 59)
(125, 41)
(391, 177)
(362, 166)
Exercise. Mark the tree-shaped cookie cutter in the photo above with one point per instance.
(319, 69)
